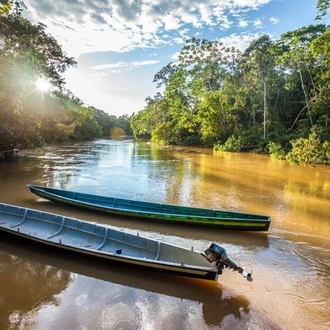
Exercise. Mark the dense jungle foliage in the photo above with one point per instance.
(273, 97)
(32, 117)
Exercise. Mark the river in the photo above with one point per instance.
(43, 289)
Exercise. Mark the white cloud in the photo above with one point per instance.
(175, 56)
(243, 23)
(123, 25)
(120, 66)
(257, 23)
(171, 23)
(253, 4)
(240, 42)
(225, 23)
(274, 20)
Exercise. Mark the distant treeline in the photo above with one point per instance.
(272, 98)
(29, 116)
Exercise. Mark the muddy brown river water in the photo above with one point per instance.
(45, 289)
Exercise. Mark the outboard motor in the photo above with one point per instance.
(214, 252)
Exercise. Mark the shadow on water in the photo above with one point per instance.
(39, 266)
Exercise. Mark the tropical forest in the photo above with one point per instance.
(273, 97)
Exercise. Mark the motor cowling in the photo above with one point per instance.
(214, 252)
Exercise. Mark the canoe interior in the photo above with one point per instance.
(105, 242)
(221, 218)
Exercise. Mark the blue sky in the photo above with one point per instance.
(121, 44)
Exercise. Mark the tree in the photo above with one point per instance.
(146, 121)
(322, 6)
(257, 58)
(193, 91)
(27, 53)
(299, 60)
(178, 101)
(28, 116)
(320, 48)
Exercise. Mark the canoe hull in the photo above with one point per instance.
(102, 242)
(157, 212)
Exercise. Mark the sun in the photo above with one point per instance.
(43, 84)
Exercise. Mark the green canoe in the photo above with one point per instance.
(158, 212)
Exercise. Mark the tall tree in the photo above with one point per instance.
(257, 58)
(299, 60)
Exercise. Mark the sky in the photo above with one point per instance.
(120, 45)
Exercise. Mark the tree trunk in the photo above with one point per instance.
(306, 97)
(265, 108)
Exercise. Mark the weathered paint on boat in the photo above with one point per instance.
(155, 211)
(104, 242)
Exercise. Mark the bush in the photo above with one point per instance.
(250, 140)
(232, 144)
(276, 151)
(309, 151)
(325, 154)
(192, 140)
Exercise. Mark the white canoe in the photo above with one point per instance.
(104, 242)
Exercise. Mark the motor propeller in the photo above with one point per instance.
(216, 253)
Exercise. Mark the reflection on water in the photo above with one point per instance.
(113, 296)
(25, 286)
(291, 262)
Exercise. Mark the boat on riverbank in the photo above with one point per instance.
(154, 211)
(103, 242)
